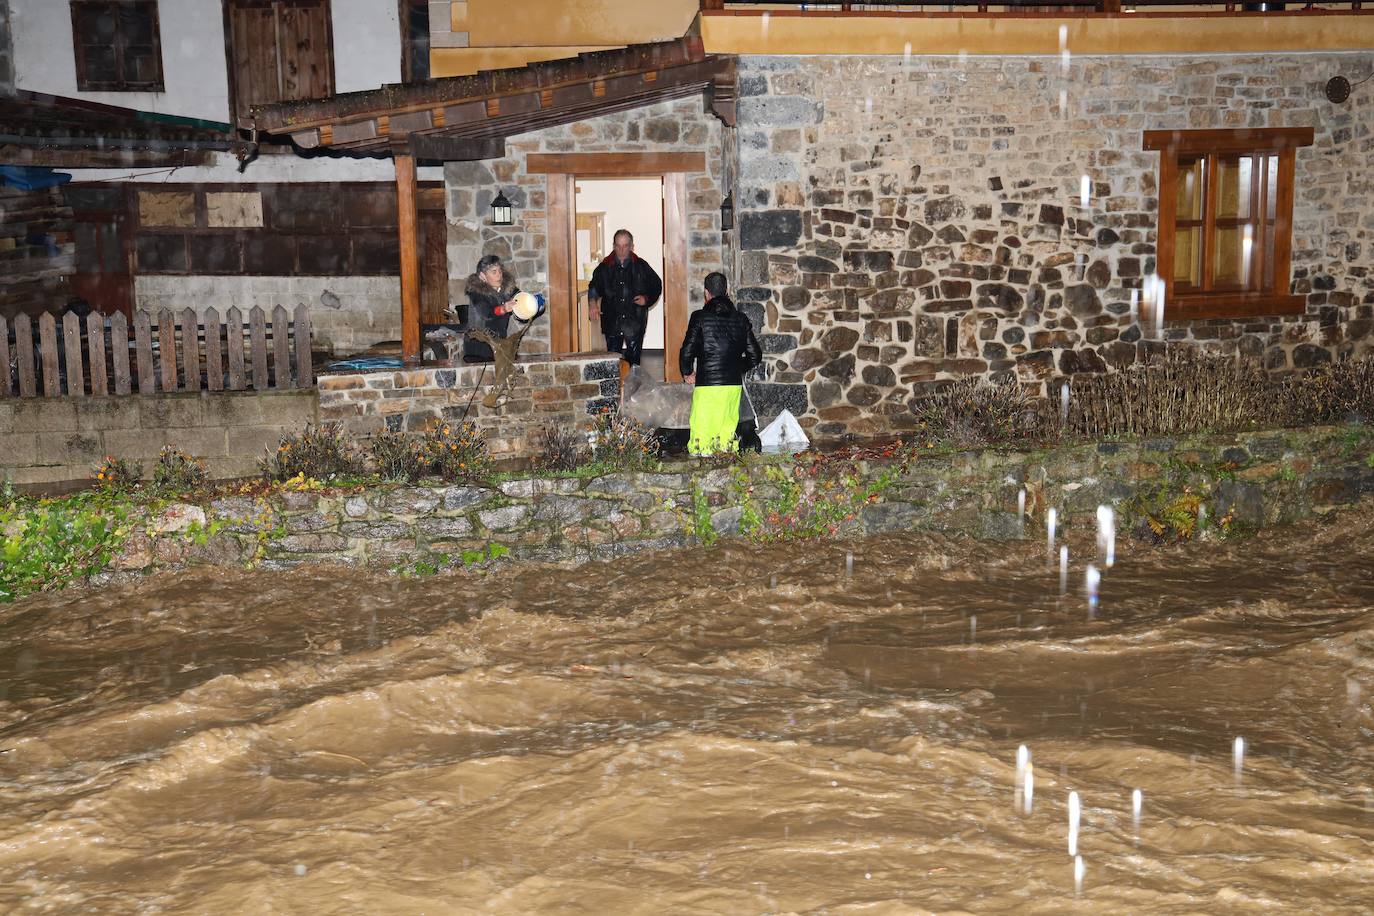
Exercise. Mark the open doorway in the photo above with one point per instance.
(604, 206)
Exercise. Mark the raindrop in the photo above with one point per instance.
(1051, 519)
(1092, 580)
(1063, 571)
(1238, 756)
(1064, 395)
(1078, 871)
(1137, 802)
(1075, 815)
(1021, 503)
(849, 563)
(1064, 57)
(1063, 38)
(1085, 187)
(1063, 103)
(973, 628)
(868, 876)
(300, 871)
(906, 53)
(1106, 535)
(1028, 788)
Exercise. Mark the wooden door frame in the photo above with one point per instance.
(562, 171)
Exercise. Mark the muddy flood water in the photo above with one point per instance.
(735, 730)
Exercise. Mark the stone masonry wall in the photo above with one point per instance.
(906, 222)
(54, 440)
(557, 392)
(1252, 479)
(680, 126)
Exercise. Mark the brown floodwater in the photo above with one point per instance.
(737, 730)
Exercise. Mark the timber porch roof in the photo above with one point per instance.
(48, 130)
(469, 117)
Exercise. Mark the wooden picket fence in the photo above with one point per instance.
(102, 356)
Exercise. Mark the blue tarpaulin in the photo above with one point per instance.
(31, 178)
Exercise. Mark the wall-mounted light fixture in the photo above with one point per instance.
(727, 213)
(501, 210)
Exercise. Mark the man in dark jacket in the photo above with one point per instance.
(719, 348)
(623, 289)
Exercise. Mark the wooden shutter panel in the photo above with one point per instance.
(257, 79)
(307, 66)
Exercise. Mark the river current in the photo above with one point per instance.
(827, 727)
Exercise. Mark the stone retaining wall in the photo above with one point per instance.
(548, 392)
(1254, 480)
(56, 440)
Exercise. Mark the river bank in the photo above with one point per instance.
(1160, 488)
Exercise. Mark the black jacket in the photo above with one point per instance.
(615, 288)
(720, 345)
(482, 303)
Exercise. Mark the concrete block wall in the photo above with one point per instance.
(56, 440)
(347, 314)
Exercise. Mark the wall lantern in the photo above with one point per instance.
(501, 210)
(727, 213)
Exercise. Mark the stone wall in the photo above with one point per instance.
(1253, 480)
(681, 126)
(905, 222)
(548, 392)
(53, 440)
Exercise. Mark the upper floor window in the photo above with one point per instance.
(1225, 236)
(414, 40)
(117, 46)
(279, 51)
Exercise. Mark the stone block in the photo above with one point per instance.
(438, 528)
(505, 518)
(770, 229)
(43, 415)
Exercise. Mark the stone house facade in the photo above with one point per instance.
(907, 221)
(677, 127)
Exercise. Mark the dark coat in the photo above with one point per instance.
(720, 345)
(615, 288)
(482, 303)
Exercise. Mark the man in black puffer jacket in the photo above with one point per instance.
(719, 348)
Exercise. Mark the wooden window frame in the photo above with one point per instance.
(229, 55)
(1212, 145)
(413, 68)
(83, 82)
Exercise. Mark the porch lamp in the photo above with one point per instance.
(501, 210)
(727, 213)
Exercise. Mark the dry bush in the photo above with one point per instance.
(972, 413)
(562, 449)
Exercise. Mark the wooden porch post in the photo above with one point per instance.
(408, 224)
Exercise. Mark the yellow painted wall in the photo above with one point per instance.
(816, 33)
(532, 23)
(511, 33)
(466, 61)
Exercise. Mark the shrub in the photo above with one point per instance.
(49, 545)
(178, 472)
(562, 448)
(971, 413)
(397, 456)
(622, 444)
(117, 474)
(319, 453)
(1332, 393)
(457, 452)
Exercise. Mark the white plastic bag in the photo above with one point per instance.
(784, 435)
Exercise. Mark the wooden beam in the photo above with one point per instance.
(676, 284)
(1237, 140)
(614, 165)
(443, 148)
(408, 224)
(562, 210)
(14, 154)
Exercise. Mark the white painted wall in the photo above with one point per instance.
(362, 311)
(367, 54)
(263, 170)
(635, 204)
